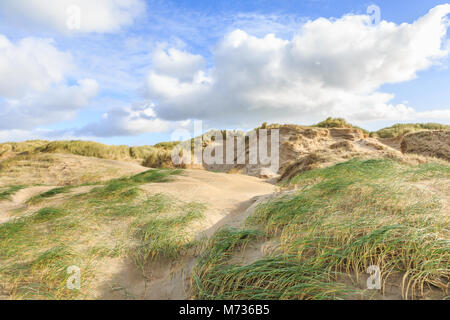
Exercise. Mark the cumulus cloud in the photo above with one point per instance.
(57, 103)
(31, 64)
(130, 120)
(96, 16)
(33, 85)
(331, 67)
(178, 64)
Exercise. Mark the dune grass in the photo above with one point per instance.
(337, 123)
(403, 128)
(48, 194)
(165, 237)
(21, 147)
(159, 159)
(6, 193)
(46, 214)
(270, 278)
(116, 220)
(88, 149)
(342, 219)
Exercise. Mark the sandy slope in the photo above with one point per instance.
(225, 195)
(63, 169)
(227, 198)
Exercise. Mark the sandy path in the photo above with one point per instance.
(225, 195)
(227, 198)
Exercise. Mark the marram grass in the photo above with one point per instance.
(110, 221)
(341, 220)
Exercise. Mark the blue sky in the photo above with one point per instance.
(135, 72)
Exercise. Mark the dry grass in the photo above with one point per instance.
(404, 128)
(428, 143)
(337, 123)
(61, 170)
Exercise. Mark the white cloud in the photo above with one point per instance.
(58, 103)
(332, 67)
(33, 85)
(96, 15)
(178, 64)
(127, 121)
(32, 64)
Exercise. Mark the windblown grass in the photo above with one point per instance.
(107, 222)
(342, 219)
(6, 193)
(165, 237)
(46, 214)
(48, 194)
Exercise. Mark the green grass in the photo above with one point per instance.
(342, 219)
(48, 194)
(127, 188)
(6, 193)
(165, 237)
(48, 213)
(85, 229)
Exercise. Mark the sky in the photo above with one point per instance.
(135, 71)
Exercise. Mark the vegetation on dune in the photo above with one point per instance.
(165, 237)
(167, 145)
(29, 160)
(279, 277)
(152, 156)
(389, 132)
(404, 128)
(48, 194)
(343, 219)
(6, 193)
(46, 214)
(87, 148)
(117, 219)
(337, 123)
(21, 147)
(142, 152)
(160, 159)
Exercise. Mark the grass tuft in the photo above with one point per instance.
(46, 214)
(165, 237)
(6, 193)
